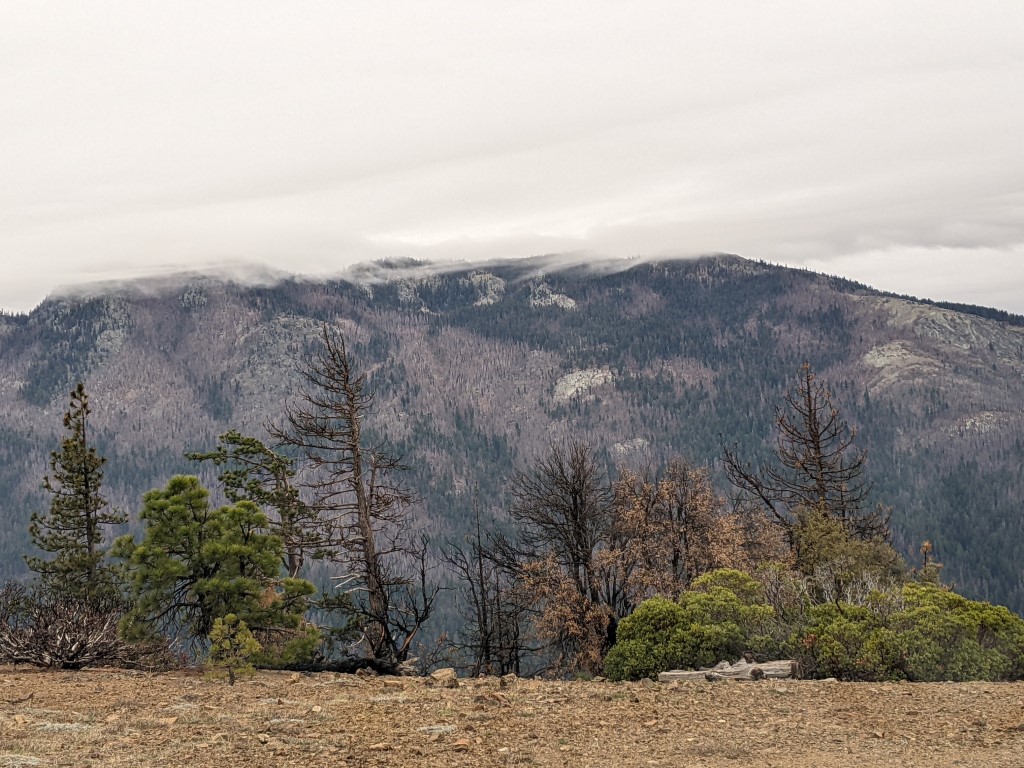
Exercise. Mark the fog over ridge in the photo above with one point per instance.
(879, 141)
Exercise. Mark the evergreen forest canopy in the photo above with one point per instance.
(477, 373)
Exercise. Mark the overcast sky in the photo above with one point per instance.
(879, 140)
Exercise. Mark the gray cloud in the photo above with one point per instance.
(879, 140)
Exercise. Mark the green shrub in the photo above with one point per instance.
(949, 637)
(922, 633)
(648, 641)
(719, 618)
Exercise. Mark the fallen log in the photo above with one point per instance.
(741, 670)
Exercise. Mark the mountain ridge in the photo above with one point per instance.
(477, 369)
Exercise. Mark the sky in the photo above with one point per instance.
(883, 141)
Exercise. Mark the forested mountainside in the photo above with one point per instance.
(477, 369)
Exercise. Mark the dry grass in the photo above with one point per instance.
(108, 718)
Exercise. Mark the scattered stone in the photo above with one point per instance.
(380, 746)
(507, 680)
(294, 677)
(64, 727)
(407, 668)
(16, 761)
(600, 679)
(446, 677)
(492, 698)
(646, 682)
(462, 745)
(435, 729)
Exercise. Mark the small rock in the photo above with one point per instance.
(507, 680)
(446, 677)
(600, 679)
(462, 745)
(294, 677)
(646, 682)
(757, 673)
(263, 738)
(713, 677)
(435, 729)
(380, 746)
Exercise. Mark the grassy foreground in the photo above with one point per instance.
(116, 718)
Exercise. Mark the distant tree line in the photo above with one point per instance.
(583, 574)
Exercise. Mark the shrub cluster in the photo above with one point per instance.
(915, 631)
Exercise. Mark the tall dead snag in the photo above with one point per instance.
(815, 465)
(353, 487)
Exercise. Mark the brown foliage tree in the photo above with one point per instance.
(588, 551)
(563, 510)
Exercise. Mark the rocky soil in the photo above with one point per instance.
(114, 718)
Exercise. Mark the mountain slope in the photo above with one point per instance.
(477, 369)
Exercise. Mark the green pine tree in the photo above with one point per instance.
(232, 648)
(250, 471)
(195, 564)
(73, 530)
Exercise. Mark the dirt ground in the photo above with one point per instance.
(114, 718)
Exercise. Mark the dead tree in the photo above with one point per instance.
(354, 487)
(815, 465)
(495, 610)
(48, 628)
(563, 512)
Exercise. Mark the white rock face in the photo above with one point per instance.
(490, 289)
(574, 383)
(543, 296)
(896, 361)
(638, 446)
